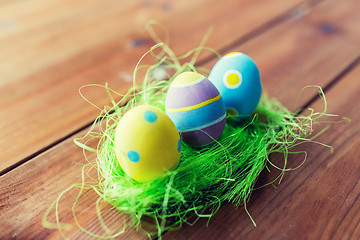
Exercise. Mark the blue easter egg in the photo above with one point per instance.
(237, 78)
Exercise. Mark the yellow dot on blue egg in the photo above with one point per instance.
(133, 156)
(150, 116)
(179, 145)
(232, 79)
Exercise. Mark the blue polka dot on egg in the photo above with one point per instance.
(179, 145)
(133, 156)
(150, 116)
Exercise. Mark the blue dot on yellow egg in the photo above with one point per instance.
(150, 116)
(179, 145)
(133, 156)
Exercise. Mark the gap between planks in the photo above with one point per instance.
(44, 149)
(247, 37)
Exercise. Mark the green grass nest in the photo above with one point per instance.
(225, 171)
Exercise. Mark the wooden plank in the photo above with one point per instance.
(311, 47)
(49, 50)
(317, 201)
(308, 49)
(30, 189)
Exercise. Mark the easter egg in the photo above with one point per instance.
(237, 78)
(147, 143)
(196, 107)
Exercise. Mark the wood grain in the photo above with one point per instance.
(317, 201)
(308, 49)
(311, 45)
(48, 51)
(29, 190)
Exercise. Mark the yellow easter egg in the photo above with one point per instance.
(147, 143)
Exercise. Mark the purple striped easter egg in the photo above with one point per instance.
(197, 109)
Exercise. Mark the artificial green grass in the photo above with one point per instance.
(224, 171)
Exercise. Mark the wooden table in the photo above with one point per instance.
(48, 49)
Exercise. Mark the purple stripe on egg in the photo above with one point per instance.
(192, 95)
(204, 136)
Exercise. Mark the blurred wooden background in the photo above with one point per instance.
(49, 49)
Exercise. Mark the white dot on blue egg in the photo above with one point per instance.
(150, 116)
(133, 156)
(179, 145)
